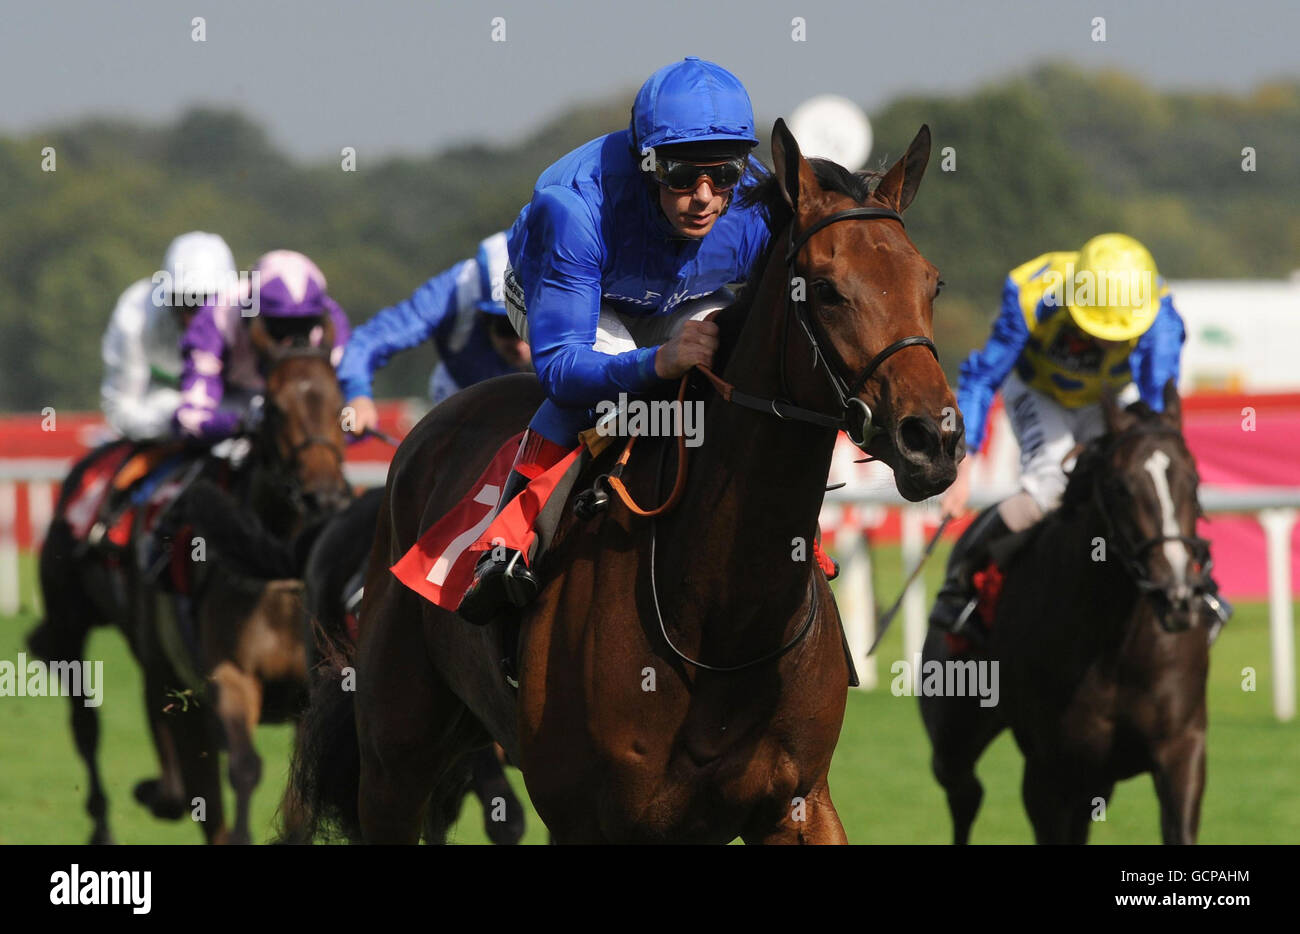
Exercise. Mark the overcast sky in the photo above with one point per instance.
(412, 76)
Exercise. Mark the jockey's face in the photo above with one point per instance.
(692, 213)
(508, 345)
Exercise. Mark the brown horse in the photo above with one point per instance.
(682, 679)
(1102, 669)
(296, 466)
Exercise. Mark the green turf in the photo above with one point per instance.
(880, 779)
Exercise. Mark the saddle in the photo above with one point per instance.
(440, 566)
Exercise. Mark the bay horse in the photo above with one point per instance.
(681, 679)
(1102, 667)
(295, 466)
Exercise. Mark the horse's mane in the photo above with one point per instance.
(1091, 462)
(765, 194)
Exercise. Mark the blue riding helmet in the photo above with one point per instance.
(692, 101)
(492, 258)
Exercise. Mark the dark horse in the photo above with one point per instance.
(1102, 666)
(332, 573)
(680, 679)
(296, 467)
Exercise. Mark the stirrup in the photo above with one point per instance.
(520, 588)
(1221, 608)
(964, 616)
(946, 601)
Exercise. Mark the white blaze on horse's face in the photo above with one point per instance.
(1175, 551)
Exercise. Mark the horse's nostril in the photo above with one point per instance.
(918, 436)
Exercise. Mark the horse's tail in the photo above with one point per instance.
(321, 800)
(240, 537)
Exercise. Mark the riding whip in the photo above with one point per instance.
(888, 618)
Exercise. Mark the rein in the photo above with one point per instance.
(284, 468)
(855, 416)
(794, 640)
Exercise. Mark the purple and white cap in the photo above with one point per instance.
(289, 286)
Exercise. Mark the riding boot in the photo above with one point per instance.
(502, 578)
(956, 601)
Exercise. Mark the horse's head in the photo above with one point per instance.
(1146, 488)
(302, 434)
(864, 296)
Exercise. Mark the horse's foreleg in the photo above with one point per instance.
(1179, 775)
(239, 706)
(503, 815)
(198, 755)
(85, 732)
(61, 637)
(810, 820)
(164, 796)
(1046, 803)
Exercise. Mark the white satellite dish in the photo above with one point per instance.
(832, 127)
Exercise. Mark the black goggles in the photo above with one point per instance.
(680, 176)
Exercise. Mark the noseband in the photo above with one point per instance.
(852, 408)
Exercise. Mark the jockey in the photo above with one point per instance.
(141, 348)
(221, 377)
(619, 235)
(461, 311)
(1053, 365)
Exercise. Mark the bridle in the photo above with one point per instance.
(285, 466)
(1133, 554)
(855, 415)
(854, 419)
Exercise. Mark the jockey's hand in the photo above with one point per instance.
(956, 497)
(364, 415)
(694, 344)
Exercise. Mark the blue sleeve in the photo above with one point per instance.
(561, 270)
(985, 370)
(757, 233)
(753, 246)
(1156, 357)
(398, 327)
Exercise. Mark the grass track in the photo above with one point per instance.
(880, 779)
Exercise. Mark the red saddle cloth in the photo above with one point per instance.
(440, 566)
(93, 486)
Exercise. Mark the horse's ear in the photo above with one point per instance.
(261, 339)
(1173, 412)
(793, 173)
(898, 187)
(1118, 420)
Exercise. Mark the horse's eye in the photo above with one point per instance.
(826, 293)
(938, 288)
